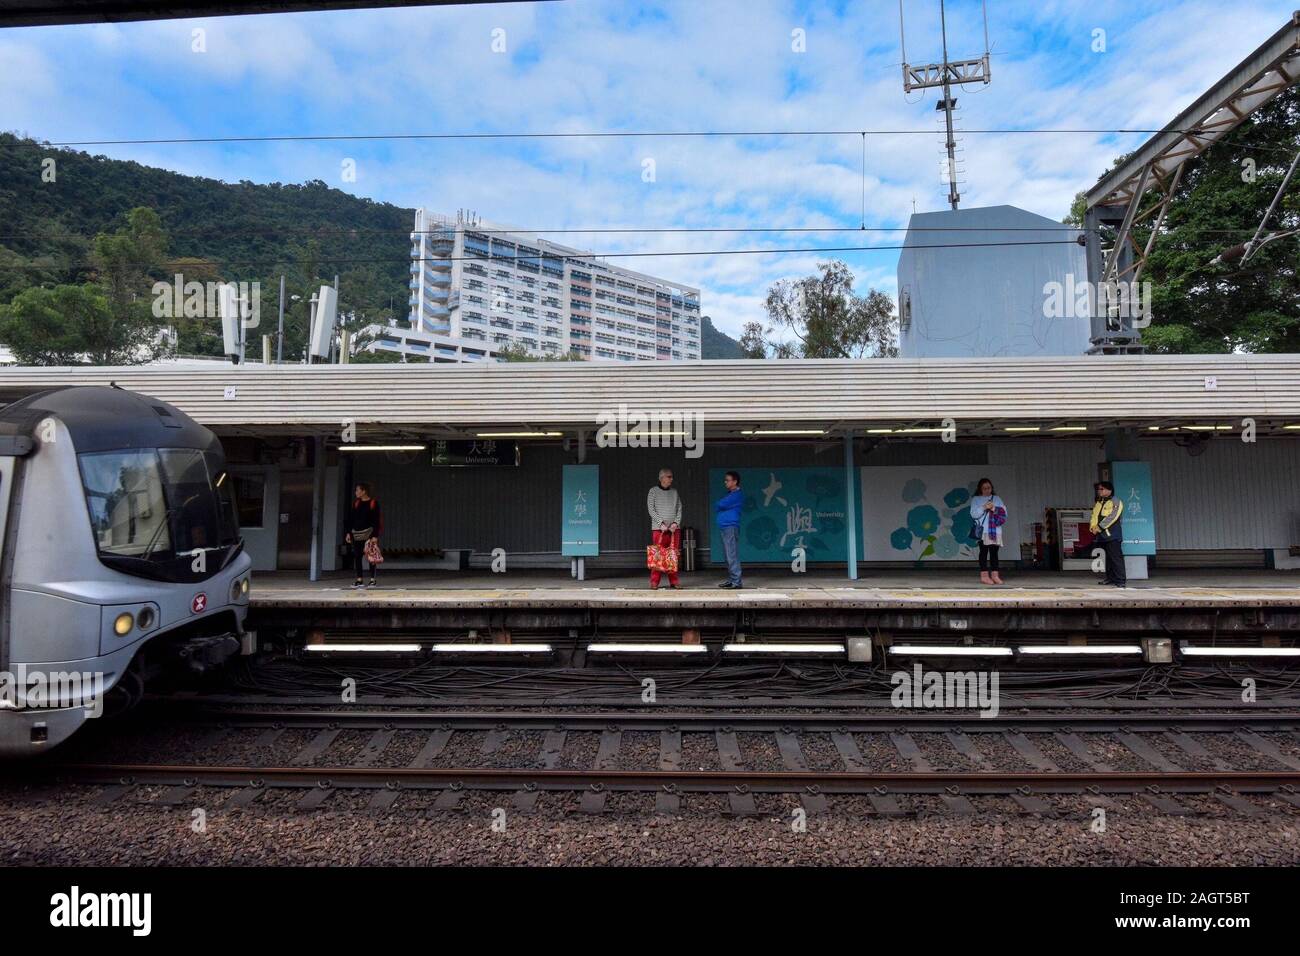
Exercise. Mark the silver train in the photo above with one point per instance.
(120, 557)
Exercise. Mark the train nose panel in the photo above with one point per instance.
(27, 733)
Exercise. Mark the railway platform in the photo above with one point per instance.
(894, 612)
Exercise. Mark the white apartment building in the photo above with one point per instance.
(476, 287)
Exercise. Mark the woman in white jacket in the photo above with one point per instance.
(990, 515)
(665, 509)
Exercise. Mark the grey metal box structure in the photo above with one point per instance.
(973, 282)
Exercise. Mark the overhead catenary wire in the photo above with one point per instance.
(588, 134)
(353, 231)
(583, 257)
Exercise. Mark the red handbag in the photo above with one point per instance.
(373, 554)
(660, 557)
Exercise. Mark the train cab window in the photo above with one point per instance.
(150, 509)
(128, 510)
(195, 516)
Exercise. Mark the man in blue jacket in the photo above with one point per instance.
(728, 509)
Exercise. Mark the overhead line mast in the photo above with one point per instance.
(943, 75)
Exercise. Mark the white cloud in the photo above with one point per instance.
(594, 66)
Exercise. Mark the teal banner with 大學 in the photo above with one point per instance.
(1132, 481)
(784, 509)
(580, 521)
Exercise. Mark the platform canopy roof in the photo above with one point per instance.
(759, 400)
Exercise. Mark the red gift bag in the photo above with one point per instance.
(373, 554)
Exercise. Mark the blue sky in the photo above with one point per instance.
(598, 65)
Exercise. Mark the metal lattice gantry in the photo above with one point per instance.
(1152, 173)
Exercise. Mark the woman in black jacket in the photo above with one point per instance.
(365, 521)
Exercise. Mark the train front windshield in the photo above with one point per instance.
(154, 510)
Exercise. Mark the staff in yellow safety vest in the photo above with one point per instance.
(1108, 533)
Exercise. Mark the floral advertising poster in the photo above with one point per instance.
(922, 513)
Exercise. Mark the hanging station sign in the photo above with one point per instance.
(487, 452)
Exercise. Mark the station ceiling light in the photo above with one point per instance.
(1192, 650)
(785, 431)
(947, 650)
(1071, 649)
(1070, 428)
(1022, 428)
(647, 434)
(519, 434)
(382, 447)
(464, 647)
(634, 648)
(784, 650)
(363, 648)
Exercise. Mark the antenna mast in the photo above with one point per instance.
(944, 75)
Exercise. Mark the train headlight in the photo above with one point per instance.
(243, 585)
(145, 618)
(123, 623)
(235, 590)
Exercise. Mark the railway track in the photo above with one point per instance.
(900, 764)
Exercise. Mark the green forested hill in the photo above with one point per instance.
(237, 231)
(215, 230)
(715, 344)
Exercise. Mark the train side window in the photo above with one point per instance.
(250, 497)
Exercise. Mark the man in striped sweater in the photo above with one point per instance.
(665, 521)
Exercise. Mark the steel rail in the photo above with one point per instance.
(900, 721)
(684, 781)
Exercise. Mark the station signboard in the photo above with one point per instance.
(1132, 480)
(580, 517)
(485, 453)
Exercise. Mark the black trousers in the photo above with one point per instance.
(358, 552)
(988, 557)
(1114, 551)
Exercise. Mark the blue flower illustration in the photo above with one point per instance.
(923, 520)
(961, 524)
(958, 496)
(901, 539)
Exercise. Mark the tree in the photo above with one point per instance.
(66, 325)
(753, 341)
(515, 352)
(829, 320)
(195, 334)
(108, 323)
(126, 261)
